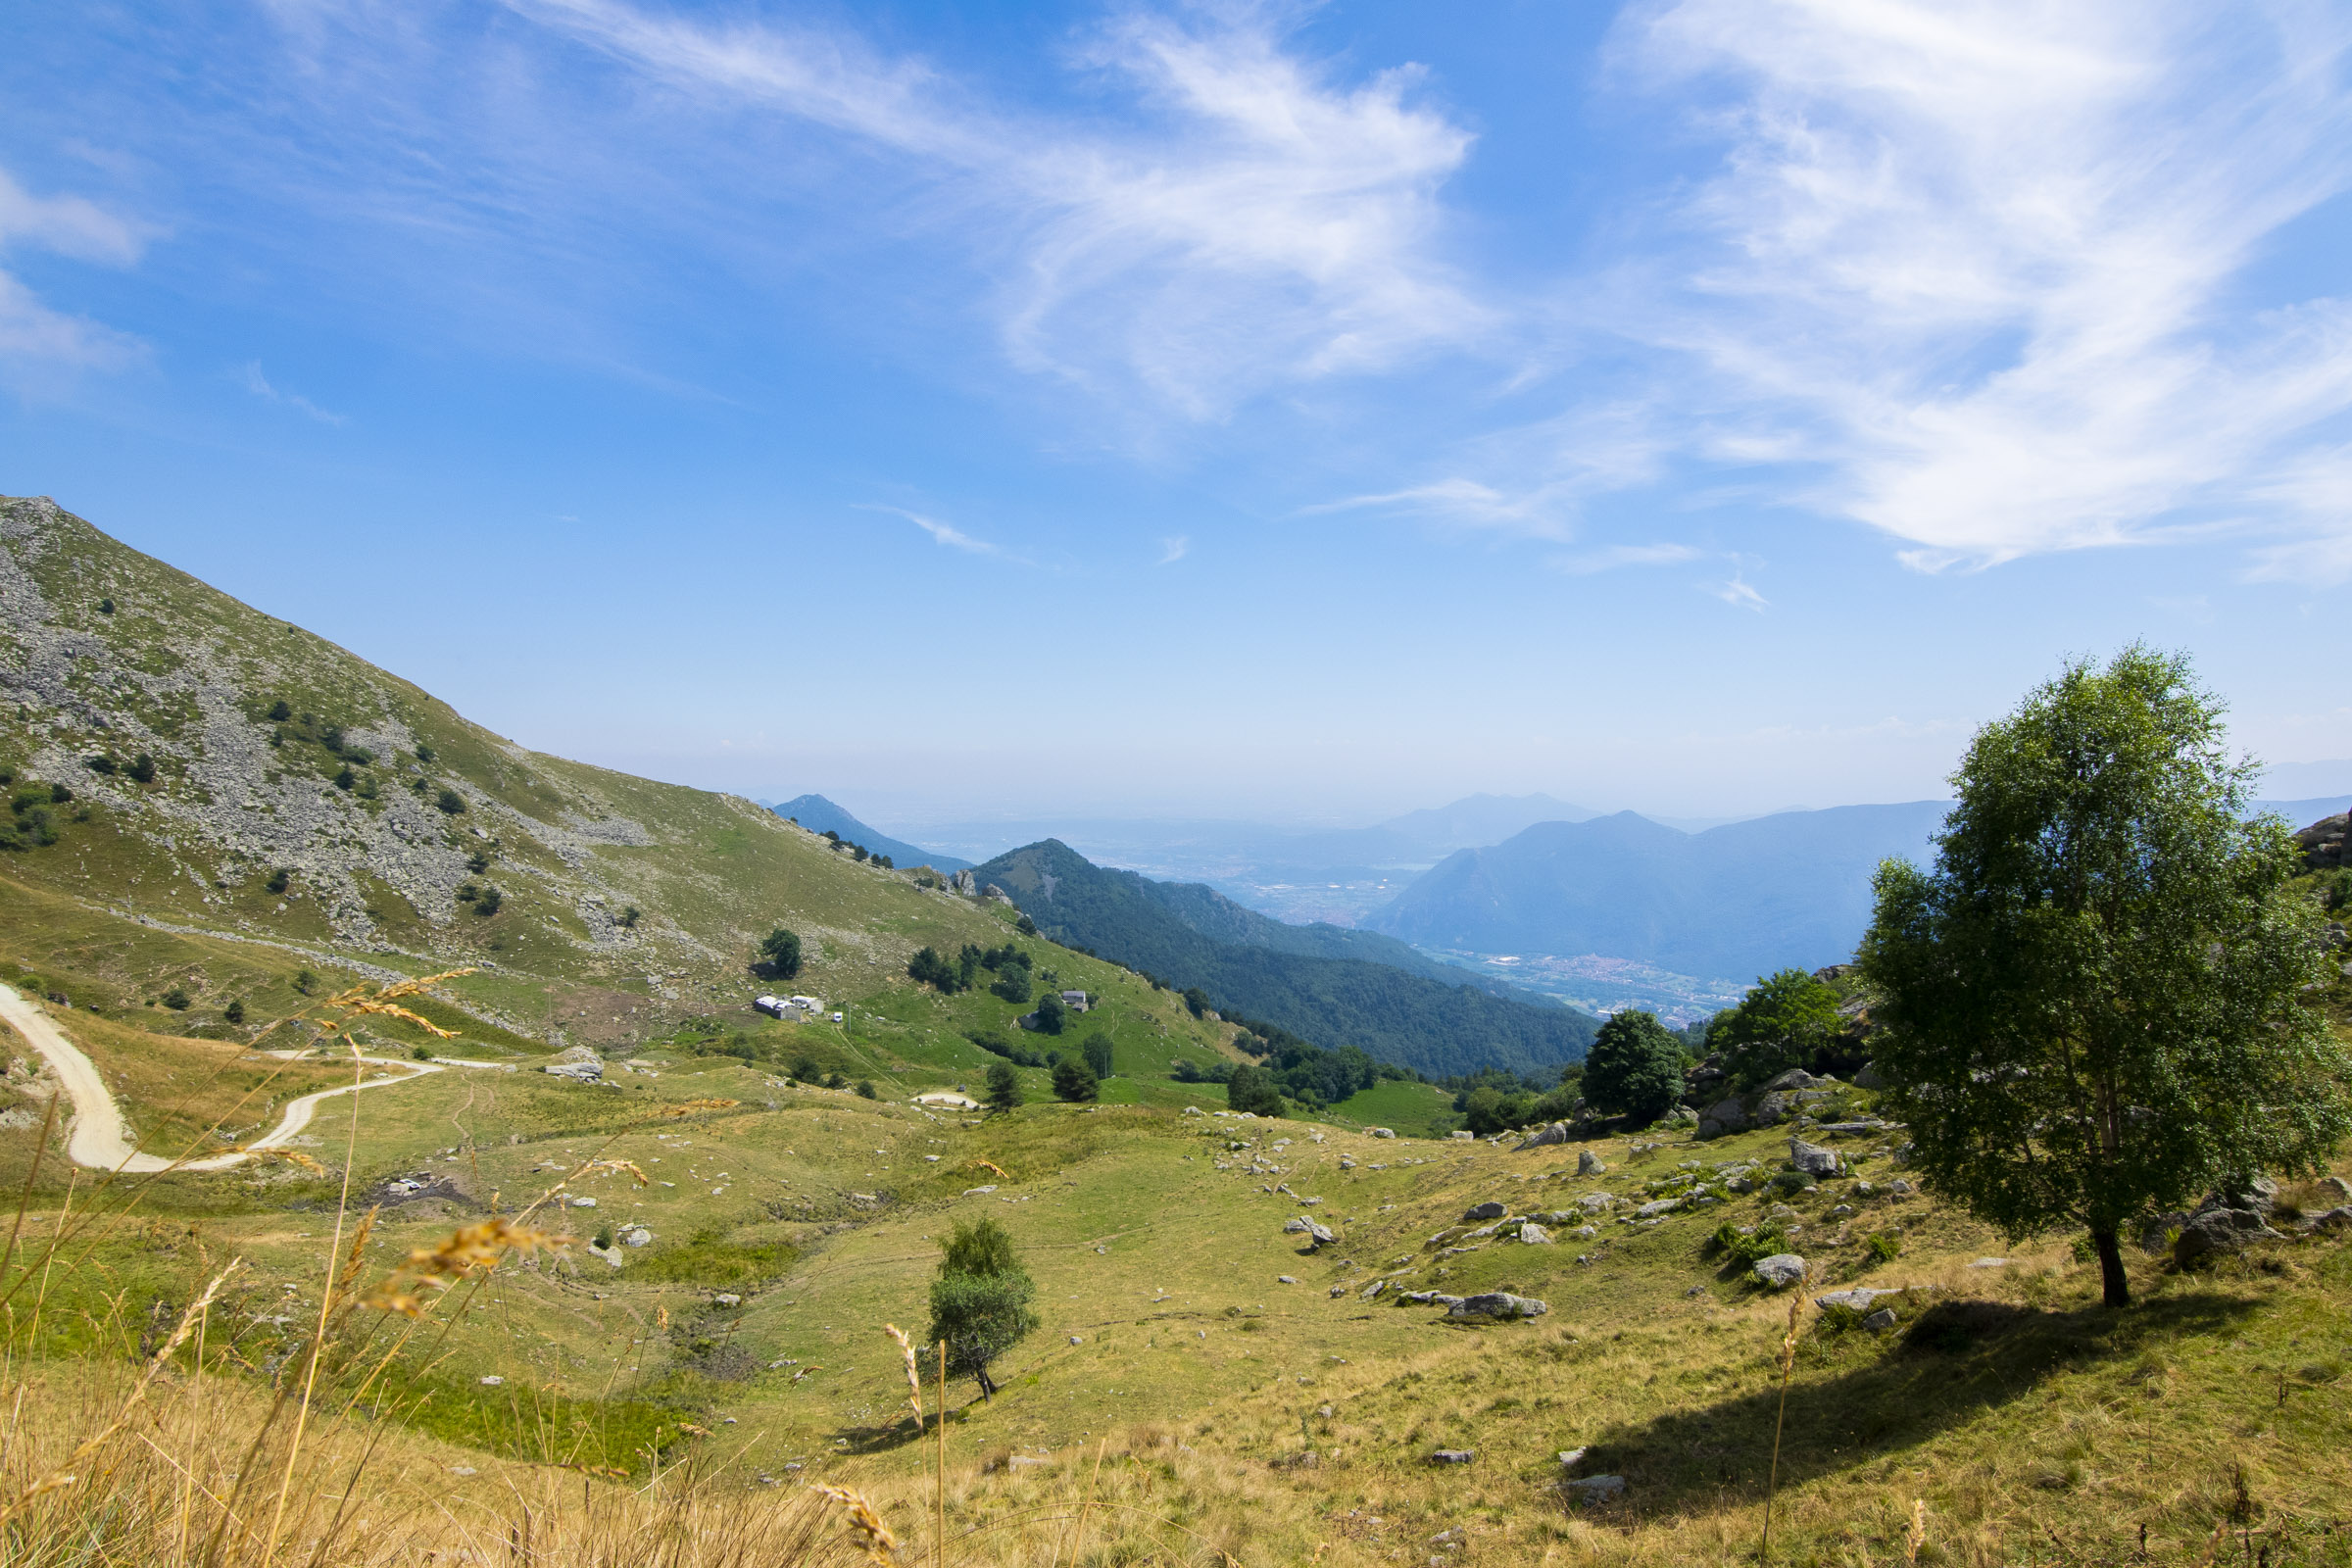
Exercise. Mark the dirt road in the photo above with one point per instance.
(98, 1141)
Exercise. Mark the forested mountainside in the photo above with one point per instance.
(1331, 985)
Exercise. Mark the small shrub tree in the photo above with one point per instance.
(486, 902)
(980, 1301)
(1253, 1089)
(142, 768)
(1074, 1081)
(1004, 1086)
(1096, 1050)
(1012, 984)
(1051, 1014)
(780, 953)
(1634, 1067)
(450, 802)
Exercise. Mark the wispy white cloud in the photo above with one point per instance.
(33, 334)
(1260, 223)
(249, 376)
(1980, 268)
(1736, 591)
(1174, 549)
(948, 534)
(1591, 562)
(1458, 501)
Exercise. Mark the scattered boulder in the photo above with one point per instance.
(1776, 1108)
(1657, 1207)
(1420, 1298)
(1861, 1297)
(1869, 1077)
(1596, 1203)
(1454, 1457)
(1487, 1210)
(1535, 1235)
(576, 1062)
(1500, 1305)
(1556, 1133)
(1286, 1279)
(2333, 1219)
(1379, 1131)
(2338, 1185)
(1796, 1078)
(636, 1236)
(1880, 1321)
(1812, 1159)
(1595, 1488)
(1588, 1163)
(1779, 1271)
(1724, 1116)
(2211, 1231)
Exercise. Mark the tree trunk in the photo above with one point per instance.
(988, 1386)
(2111, 1268)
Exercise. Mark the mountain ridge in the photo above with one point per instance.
(821, 815)
(1329, 985)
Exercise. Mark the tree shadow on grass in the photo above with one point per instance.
(884, 1437)
(1956, 1360)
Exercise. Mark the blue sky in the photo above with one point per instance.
(1296, 411)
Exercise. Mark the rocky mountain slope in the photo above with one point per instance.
(206, 801)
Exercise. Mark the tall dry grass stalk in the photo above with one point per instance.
(1788, 1360)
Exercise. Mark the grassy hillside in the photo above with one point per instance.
(1201, 1389)
(358, 833)
(821, 815)
(1329, 985)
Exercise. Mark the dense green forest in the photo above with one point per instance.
(1418, 1017)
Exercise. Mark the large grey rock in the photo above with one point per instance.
(1880, 1321)
(2333, 1219)
(1595, 1488)
(1556, 1133)
(1796, 1078)
(1728, 1114)
(1487, 1210)
(2257, 1193)
(1498, 1304)
(1454, 1457)
(1869, 1077)
(1776, 1108)
(1657, 1207)
(1429, 1298)
(1861, 1297)
(575, 1062)
(2213, 1231)
(1779, 1271)
(1596, 1203)
(1588, 1163)
(1535, 1235)
(1812, 1159)
(2342, 1188)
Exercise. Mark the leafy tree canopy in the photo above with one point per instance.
(980, 1301)
(1634, 1067)
(1074, 1080)
(1253, 1089)
(781, 950)
(2093, 1002)
(1782, 1022)
(1004, 1086)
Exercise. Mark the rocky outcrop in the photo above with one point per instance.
(2322, 843)
(1498, 1306)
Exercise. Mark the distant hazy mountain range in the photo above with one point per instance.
(821, 815)
(1331, 986)
(1731, 902)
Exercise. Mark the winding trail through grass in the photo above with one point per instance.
(98, 1139)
